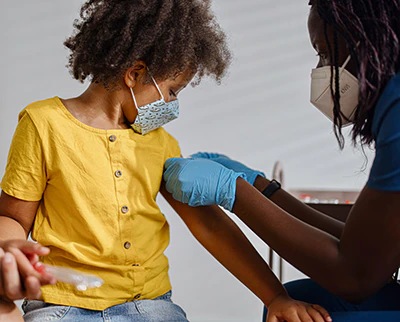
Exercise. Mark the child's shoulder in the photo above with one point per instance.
(41, 109)
(170, 143)
(167, 136)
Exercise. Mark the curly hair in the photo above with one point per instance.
(170, 36)
(371, 31)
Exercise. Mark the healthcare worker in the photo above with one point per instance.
(352, 266)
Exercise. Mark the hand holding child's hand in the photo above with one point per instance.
(18, 278)
(284, 308)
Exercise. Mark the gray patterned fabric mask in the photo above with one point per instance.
(154, 115)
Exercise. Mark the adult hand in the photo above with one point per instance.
(230, 164)
(201, 182)
(284, 308)
(18, 278)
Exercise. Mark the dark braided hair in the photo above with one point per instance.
(371, 31)
(170, 36)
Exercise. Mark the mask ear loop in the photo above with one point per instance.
(348, 58)
(134, 99)
(155, 83)
(346, 62)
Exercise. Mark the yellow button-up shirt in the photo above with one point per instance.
(97, 191)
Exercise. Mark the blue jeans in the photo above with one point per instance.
(384, 306)
(160, 309)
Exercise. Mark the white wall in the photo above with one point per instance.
(261, 113)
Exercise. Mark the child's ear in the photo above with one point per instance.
(135, 74)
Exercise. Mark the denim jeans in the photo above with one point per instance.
(384, 306)
(160, 309)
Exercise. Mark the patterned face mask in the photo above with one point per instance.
(154, 115)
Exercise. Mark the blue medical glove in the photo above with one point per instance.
(201, 182)
(230, 164)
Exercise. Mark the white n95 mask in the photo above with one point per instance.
(321, 96)
(154, 115)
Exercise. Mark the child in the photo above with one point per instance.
(83, 173)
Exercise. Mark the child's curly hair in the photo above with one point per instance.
(170, 36)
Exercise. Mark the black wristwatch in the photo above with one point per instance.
(271, 188)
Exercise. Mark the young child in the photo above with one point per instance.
(83, 173)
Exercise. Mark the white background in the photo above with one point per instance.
(261, 113)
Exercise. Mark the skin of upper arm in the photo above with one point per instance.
(21, 211)
(198, 219)
(370, 242)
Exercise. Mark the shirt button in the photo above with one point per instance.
(137, 296)
(124, 209)
(112, 138)
(127, 245)
(118, 173)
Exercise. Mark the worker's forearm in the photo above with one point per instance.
(11, 229)
(317, 256)
(301, 211)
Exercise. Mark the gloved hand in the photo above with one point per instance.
(230, 164)
(201, 182)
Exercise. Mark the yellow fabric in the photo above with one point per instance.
(72, 169)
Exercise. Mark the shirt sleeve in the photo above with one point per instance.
(385, 171)
(25, 174)
(173, 149)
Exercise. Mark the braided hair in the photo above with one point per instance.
(170, 36)
(371, 31)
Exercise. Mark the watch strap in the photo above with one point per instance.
(271, 188)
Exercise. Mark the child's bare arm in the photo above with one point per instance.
(18, 278)
(227, 243)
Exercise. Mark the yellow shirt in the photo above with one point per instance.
(97, 213)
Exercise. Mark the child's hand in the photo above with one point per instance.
(284, 308)
(18, 278)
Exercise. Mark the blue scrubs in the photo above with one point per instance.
(385, 172)
(383, 306)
